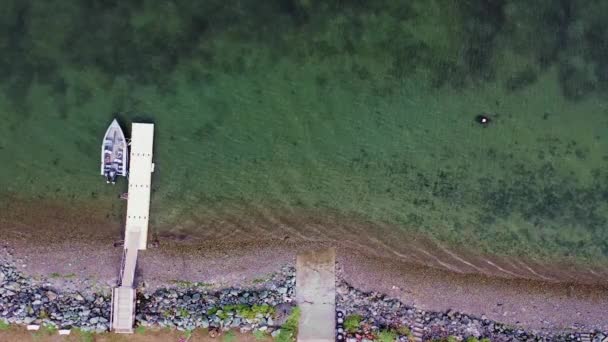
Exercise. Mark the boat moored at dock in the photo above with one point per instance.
(114, 153)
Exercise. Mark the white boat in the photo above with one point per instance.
(114, 153)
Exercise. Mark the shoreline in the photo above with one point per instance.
(79, 252)
(80, 223)
(528, 304)
(264, 307)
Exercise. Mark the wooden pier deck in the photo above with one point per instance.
(136, 227)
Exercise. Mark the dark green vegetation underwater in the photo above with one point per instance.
(361, 107)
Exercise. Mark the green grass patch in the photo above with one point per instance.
(140, 329)
(83, 336)
(289, 330)
(259, 334)
(50, 329)
(387, 336)
(45, 330)
(183, 312)
(404, 331)
(4, 325)
(43, 314)
(168, 313)
(229, 336)
(263, 309)
(469, 339)
(351, 323)
(222, 314)
(242, 310)
(56, 275)
(190, 284)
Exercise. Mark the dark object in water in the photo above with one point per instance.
(483, 120)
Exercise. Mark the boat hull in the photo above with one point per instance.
(114, 152)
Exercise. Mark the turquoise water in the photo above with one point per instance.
(364, 108)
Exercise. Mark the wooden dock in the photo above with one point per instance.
(136, 227)
(140, 179)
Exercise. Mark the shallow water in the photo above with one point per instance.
(361, 108)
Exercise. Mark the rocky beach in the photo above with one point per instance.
(264, 306)
(244, 281)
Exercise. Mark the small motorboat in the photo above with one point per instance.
(114, 153)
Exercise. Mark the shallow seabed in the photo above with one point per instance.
(361, 108)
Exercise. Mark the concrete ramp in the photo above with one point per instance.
(316, 295)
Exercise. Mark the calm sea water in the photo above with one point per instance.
(364, 108)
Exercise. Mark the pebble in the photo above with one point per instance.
(51, 295)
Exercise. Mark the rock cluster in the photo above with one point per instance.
(264, 308)
(25, 301)
(378, 312)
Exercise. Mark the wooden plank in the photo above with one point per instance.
(128, 272)
(316, 295)
(123, 310)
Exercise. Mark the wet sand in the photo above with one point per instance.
(79, 242)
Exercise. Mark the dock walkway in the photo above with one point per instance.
(316, 295)
(136, 227)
